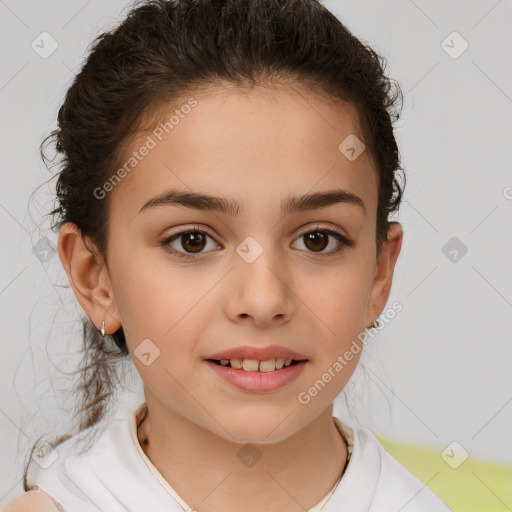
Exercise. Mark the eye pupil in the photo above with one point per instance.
(196, 238)
(317, 236)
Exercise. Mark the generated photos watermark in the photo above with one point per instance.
(150, 143)
(305, 397)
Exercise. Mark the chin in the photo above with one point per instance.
(257, 428)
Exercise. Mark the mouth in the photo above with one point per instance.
(258, 376)
(255, 365)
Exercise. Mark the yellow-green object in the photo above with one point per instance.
(464, 484)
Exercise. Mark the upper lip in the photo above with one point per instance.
(259, 353)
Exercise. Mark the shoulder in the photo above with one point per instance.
(390, 484)
(109, 472)
(30, 501)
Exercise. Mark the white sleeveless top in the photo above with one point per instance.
(115, 475)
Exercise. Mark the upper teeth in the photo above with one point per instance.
(253, 365)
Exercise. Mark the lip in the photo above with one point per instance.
(259, 353)
(258, 381)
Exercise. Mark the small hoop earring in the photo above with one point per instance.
(375, 324)
(102, 330)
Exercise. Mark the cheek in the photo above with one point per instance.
(161, 302)
(337, 323)
(339, 299)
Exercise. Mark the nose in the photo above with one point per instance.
(258, 287)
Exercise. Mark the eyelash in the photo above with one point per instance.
(344, 241)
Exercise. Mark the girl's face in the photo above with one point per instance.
(261, 271)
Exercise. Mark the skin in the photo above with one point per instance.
(29, 501)
(256, 147)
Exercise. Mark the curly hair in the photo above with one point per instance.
(164, 49)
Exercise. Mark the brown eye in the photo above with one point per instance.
(187, 244)
(316, 241)
(193, 241)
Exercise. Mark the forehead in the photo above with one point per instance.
(255, 146)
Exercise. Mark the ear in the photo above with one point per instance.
(89, 277)
(384, 269)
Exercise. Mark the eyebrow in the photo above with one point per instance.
(290, 205)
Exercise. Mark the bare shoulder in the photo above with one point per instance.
(30, 501)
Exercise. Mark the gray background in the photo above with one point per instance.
(440, 371)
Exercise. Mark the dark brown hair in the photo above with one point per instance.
(163, 50)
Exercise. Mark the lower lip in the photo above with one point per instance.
(258, 381)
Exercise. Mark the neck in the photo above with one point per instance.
(293, 474)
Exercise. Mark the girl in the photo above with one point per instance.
(229, 168)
